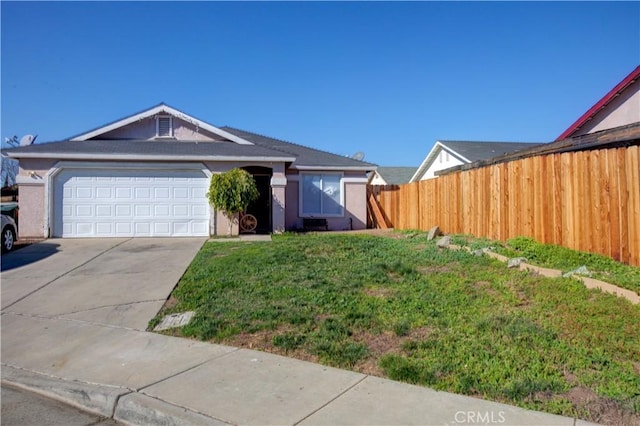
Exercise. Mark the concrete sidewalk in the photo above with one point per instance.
(138, 377)
(71, 350)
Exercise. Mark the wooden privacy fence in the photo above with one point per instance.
(585, 200)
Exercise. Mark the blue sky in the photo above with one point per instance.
(385, 78)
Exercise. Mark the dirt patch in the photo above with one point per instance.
(571, 378)
(599, 409)
(379, 292)
(170, 303)
(378, 344)
(260, 340)
(382, 344)
(485, 286)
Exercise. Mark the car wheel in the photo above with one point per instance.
(8, 238)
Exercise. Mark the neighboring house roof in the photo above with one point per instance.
(242, 146)
(469, 151)
(306, 158)
(601, 104)
(396, 175)
(475, 150)
(626, 135)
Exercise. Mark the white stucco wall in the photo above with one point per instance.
(443, 160)
(377, 179)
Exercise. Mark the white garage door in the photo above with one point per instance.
(130, 203)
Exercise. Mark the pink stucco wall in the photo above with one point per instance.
(625, 109)
(31, 196)
(355, 204)
(285, 209)
(146, 129)
(32, 214)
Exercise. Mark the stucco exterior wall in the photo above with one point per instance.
(31, 197)
(32, 212)
(625, 109)
(146, 129)
(285, 198)
(355, 203)
(292, 222)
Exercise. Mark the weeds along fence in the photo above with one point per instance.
(585, 200)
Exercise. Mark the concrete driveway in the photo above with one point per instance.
(119, 282)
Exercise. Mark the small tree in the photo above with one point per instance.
(232, 192)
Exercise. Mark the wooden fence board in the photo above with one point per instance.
(633, 178)
(586, 200)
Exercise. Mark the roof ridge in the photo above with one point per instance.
(484, 141)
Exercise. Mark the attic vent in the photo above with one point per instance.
(164, 126)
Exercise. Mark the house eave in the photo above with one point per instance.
(337, 168)
(150, 157)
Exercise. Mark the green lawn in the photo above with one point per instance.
(400, 308)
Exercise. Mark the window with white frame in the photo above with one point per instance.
(164, 126)
(321, 194)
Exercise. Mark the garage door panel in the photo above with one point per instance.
(104, 228)
(123, 210)
(130, 203)
(104, 210)
(162, 192)
(123, 192)
(84, 210)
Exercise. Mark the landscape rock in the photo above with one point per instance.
(515, 262)
(434, 232)
(174, 320)
(478, 252)
(444, 242)
(582, 270)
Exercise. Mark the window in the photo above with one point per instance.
(321, 194)
(164, 127)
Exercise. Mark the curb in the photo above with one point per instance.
(96, 399)
(121, 404)
(140, 409)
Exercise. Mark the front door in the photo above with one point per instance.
(261, 208)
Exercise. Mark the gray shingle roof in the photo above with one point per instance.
(474, 150)
(165, 149)
(396, 175)
(305, 156)
(264, 147)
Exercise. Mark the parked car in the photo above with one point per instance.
(9, 233)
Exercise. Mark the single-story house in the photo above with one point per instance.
(447, 154)
(391, 175)
(619, 107)
(148, 174)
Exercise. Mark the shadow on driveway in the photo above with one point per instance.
(27, 255)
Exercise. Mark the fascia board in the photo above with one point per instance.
(424, 166)
(335, 168)
(80, 156)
